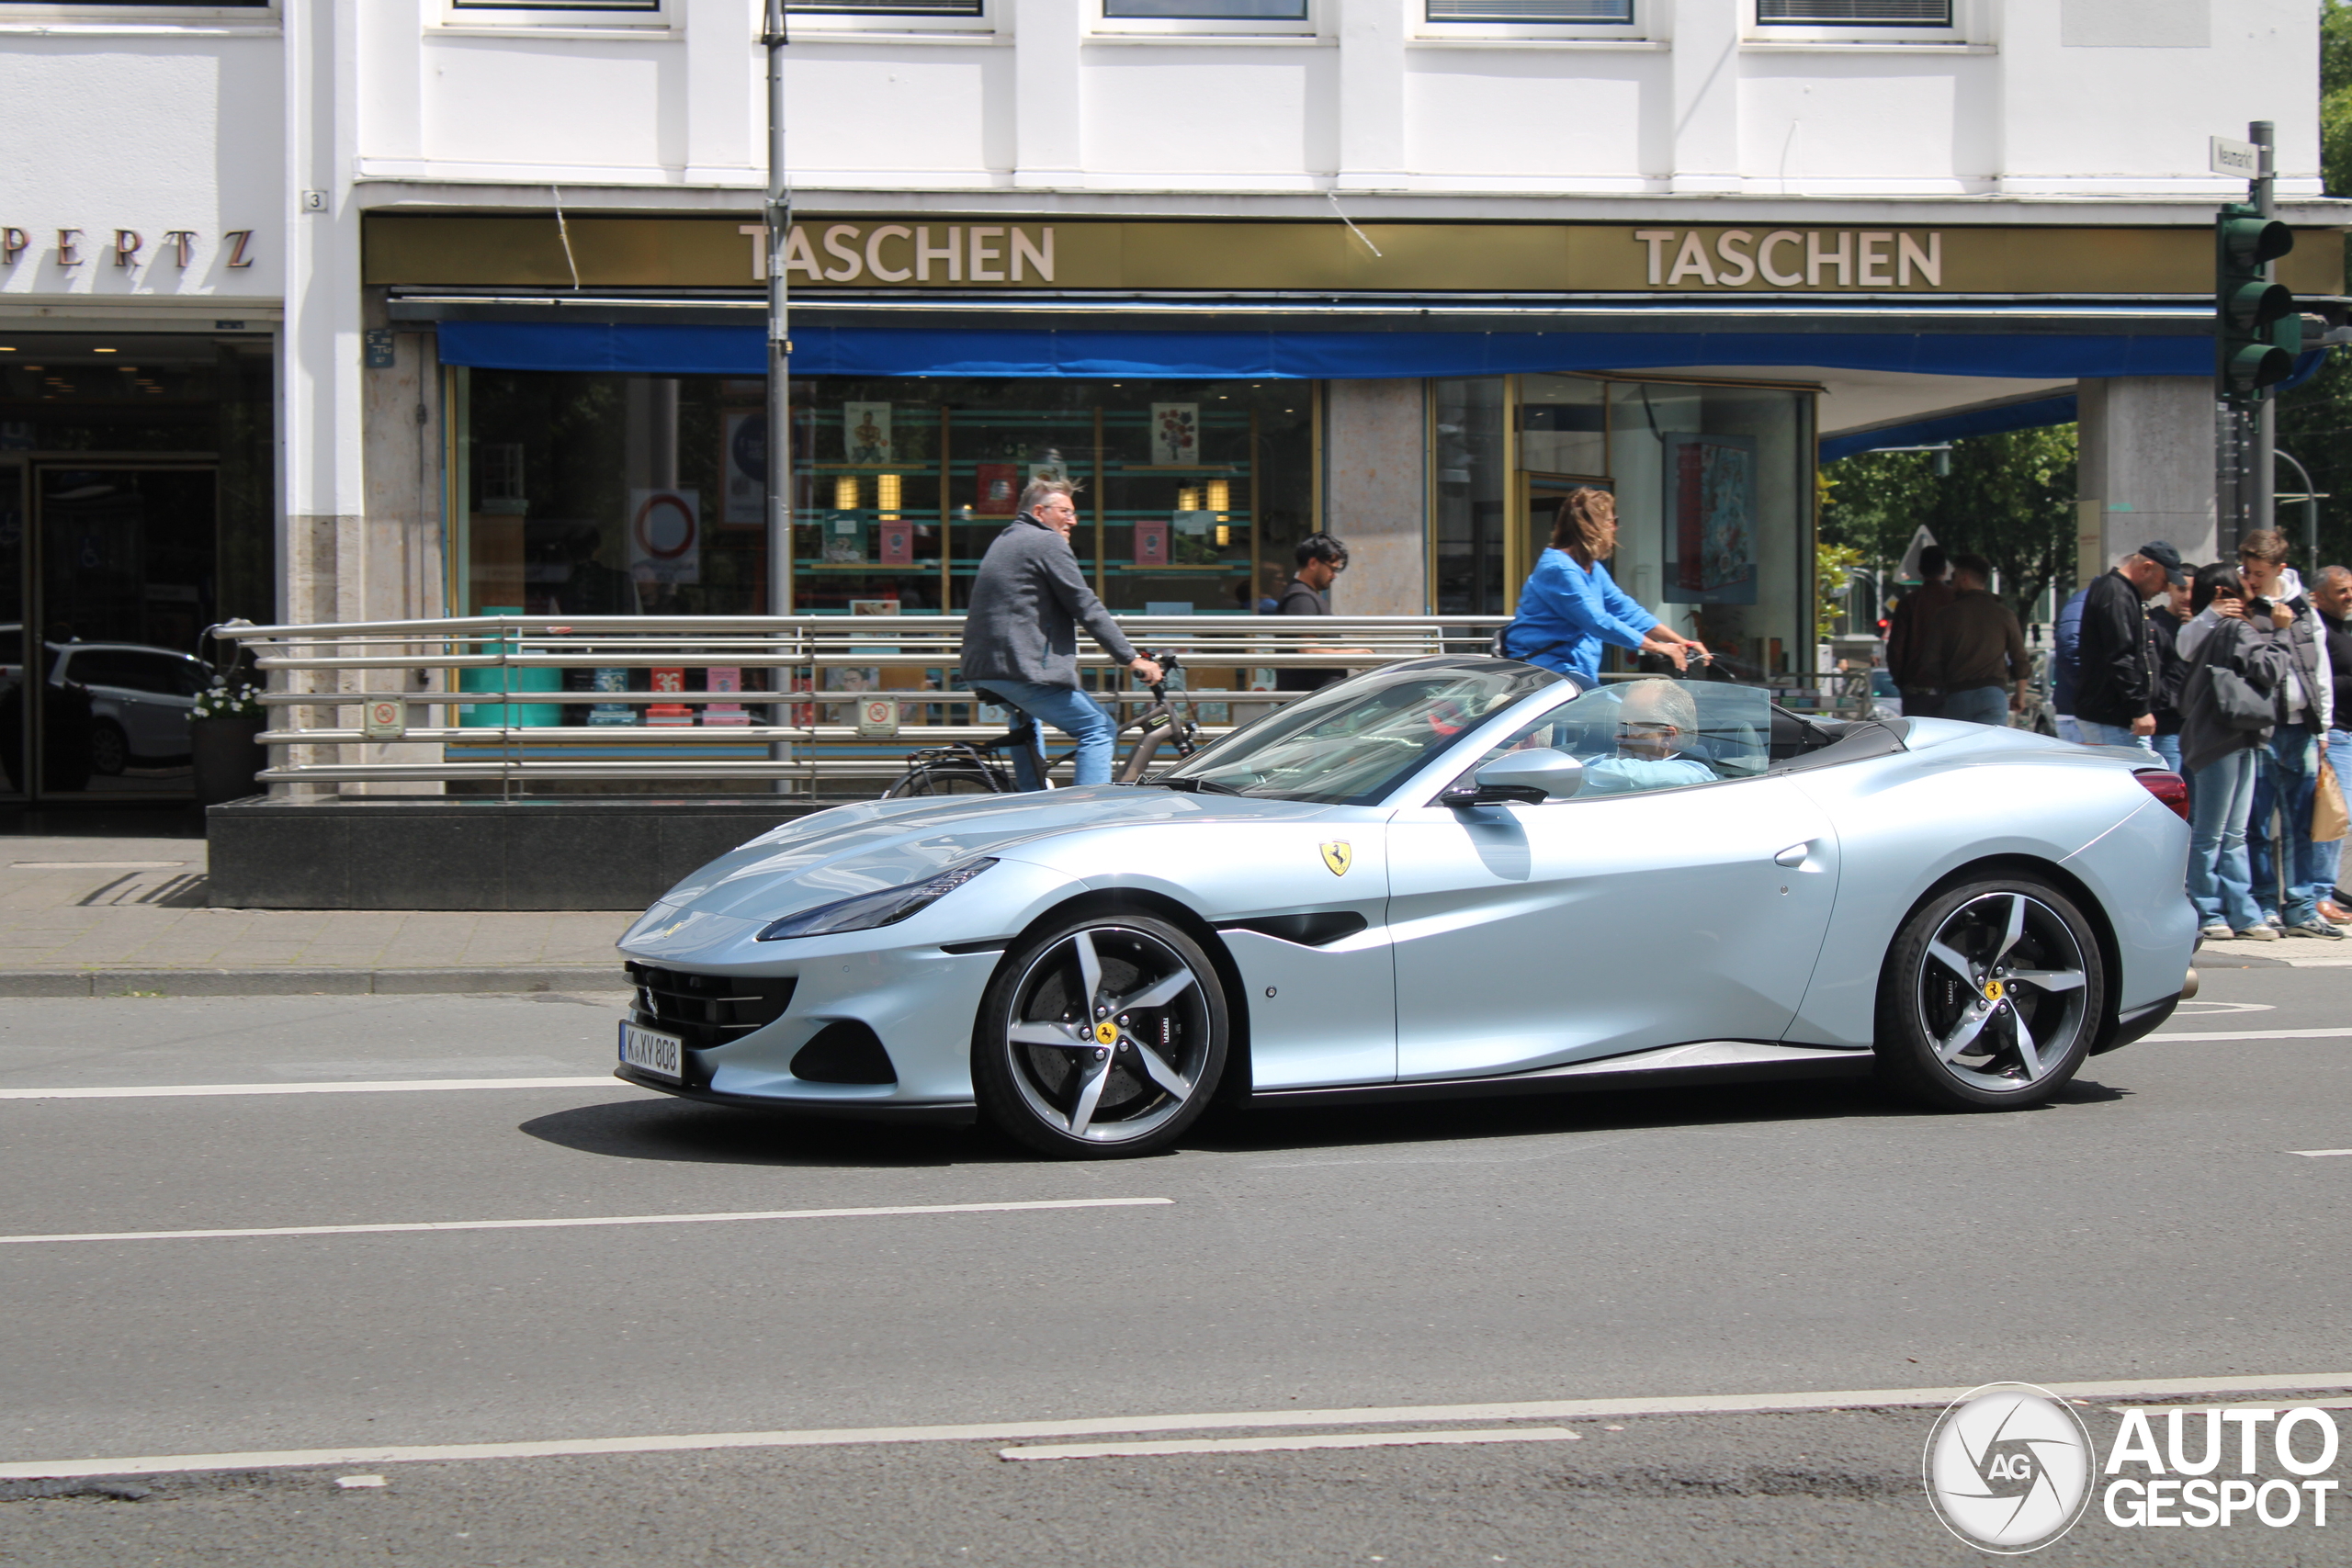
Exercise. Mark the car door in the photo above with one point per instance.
(1531, 935)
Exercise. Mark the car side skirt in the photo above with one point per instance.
(1697, 1062)
(934, 1114)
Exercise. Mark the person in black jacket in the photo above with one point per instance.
(1321, 558)
(2115, 686)
(2166, 617)
(2222, 745)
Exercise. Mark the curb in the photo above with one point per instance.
(308, 982)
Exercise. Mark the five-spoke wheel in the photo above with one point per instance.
(1105, 1036)
(1991, 997)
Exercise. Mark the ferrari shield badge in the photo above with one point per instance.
(1339, 857)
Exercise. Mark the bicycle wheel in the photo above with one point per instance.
(943, 778)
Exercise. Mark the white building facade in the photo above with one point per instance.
(336, 310)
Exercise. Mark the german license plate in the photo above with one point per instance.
(654, 1051)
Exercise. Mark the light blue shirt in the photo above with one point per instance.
(1567, 613)
(1626, 776)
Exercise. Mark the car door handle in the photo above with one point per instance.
(1794, 855)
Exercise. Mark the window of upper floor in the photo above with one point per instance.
(1545, 12)
(194, 12)
(1798, 23)
(598, 14)
(1182, 18)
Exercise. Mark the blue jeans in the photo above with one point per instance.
(1069, 710)
(1979, 704)
(2326, 859)
(2220, 803)
(2168, 747)
(2097, 734)
(2068, 730)
(2284, 780)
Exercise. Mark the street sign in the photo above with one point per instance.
(2231, 156)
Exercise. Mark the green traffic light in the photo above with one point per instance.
(2253, 306)
(2251, 369)
(2255, 241)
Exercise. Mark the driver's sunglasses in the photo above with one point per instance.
(1649, 730)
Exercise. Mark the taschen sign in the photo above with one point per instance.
(418, 250)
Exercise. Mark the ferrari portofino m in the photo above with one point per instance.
(1449, 876)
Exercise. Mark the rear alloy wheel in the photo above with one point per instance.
(1101, 1038)
(109, 749)
(1991, 997)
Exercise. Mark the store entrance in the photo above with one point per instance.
(135, 512)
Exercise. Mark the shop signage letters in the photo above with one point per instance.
(127, 245)
(822, 254)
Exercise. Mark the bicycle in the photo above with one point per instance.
(984, 767)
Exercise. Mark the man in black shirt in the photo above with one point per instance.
(2115, 686)
(1321, 558)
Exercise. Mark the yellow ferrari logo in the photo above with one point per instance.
(1994, 990)
(1339, 857)
(1106, 1033)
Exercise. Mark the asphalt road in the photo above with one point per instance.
(2155, 1224)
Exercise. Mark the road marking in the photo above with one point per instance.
(2320, 1154)
(1285, 1444)
(603, 1220)
(2257, 1034)
(1014, 1431)
(383, 1086)
(94, 865)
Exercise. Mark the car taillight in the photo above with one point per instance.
(2170, 788)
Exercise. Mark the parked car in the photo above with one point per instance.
(141, 699)
(1448, 876)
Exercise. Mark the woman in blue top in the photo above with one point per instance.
(1570, 606)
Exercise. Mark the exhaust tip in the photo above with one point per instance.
(2188, 986)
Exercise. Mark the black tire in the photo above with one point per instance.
(941, 778)
(1101, 1070)
(109, 749)
(1991, 997)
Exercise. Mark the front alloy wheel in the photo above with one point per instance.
(1991, 996)
(1105, 1037)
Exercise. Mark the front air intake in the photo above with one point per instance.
(845, 1052)
(704, 1011)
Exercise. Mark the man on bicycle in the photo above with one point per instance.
(1020, 635)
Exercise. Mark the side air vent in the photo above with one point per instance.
(704, 1011)
(1308, 931)
(844, 1052)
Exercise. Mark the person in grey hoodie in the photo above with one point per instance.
(1021, 637)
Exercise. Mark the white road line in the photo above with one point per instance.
(1285, 1445)
(390, 1086)
(2320, 1154)
(603, 1220)
(1015, 1431)
(2256, 1034)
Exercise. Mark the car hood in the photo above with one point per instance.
(850, 850)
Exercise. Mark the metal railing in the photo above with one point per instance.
(531, 702)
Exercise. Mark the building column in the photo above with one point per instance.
(2146, 470)
(1375, 494)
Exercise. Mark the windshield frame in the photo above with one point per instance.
(1559, 687)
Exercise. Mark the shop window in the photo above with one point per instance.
(1615, 13)
(1714, 507)
(1854, 13)
(1470, 484)
(590, 494)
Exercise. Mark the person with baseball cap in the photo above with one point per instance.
(2115, 680)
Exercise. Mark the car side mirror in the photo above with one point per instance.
(1525, 778)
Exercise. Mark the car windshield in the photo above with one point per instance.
(1353, 743)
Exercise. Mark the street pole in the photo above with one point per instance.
(779, 231)
(2311, 513)
(2266, 429)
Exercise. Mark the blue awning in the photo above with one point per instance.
(654, 349)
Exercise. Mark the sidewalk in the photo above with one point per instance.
(105, 917)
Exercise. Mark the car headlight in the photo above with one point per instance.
(868, 910)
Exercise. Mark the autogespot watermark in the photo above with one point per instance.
(2010, 1468)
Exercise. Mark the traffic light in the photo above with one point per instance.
(2259, 331)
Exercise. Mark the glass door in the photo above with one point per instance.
(125, 566)
(13, 719)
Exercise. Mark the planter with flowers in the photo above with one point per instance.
(224, 739)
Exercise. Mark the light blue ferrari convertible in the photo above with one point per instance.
(1450, 877)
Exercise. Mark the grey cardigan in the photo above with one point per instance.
(1026, 603)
